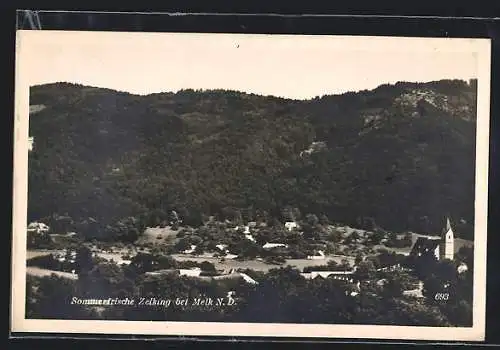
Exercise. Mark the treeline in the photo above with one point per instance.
(113, 163)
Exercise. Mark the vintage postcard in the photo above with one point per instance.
(250, 185)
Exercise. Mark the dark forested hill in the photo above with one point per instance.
(401, 154)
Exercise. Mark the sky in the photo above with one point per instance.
(298, 67)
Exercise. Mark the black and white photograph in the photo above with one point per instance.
(250, 185)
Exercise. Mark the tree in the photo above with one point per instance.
(394, 286)
(287, 213)
(274, 223)
(126, 229)
(183, 244)
(335, 236)
(359, 259)
(296, 214)
(312, 220)
(103, 281)
(207, 266)
(365, 271)
(83, 261)
(466, 255)
(174, 218)
(376, 237)
(143, 262)
(199, 250)
(344, 263)
(51, 299)
(323, 220)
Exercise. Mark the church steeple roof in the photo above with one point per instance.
(448, 224)
(448, 231)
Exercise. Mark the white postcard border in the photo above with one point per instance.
(482, 48)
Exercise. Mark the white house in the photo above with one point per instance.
(318, 256)
(415, 293)
(62, 255)
(250, 238)
(274, 245)
(462, 268)
(194, 272)
(230, 256)
(190, 250)
(248, 279)
(30, 143)
(339, 275)
(38, 227)
(222, 247)
(290, 225)
(232, 274)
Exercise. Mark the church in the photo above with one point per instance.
(442, 247)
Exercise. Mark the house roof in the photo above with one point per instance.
(273, 245)
(325, 274)
(424, 245)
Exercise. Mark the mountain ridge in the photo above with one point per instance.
(59, 84)
(106, 155)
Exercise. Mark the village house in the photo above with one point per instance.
(291, 225)
(462, 268)
(274, 245)
(65, 256)
(38, 227)
(338, 275)
(314, 147)
(393, 268)
(319, 255)
(415, 293)
(230, 256)
(233, 274)
(247, 278)
(162, 272)
(190, 250)
(193, 272)
(250, 238)
(222, 247)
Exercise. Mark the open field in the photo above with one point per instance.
(34, 253)
(157, 235)
(259, 265)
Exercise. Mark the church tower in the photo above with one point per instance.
(447, 242)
